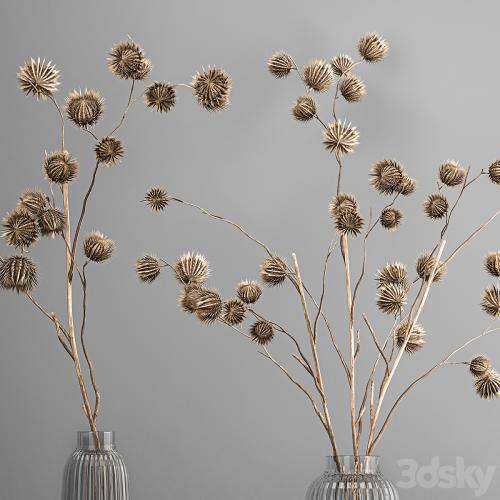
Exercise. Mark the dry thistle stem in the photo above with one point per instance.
(479, 366)
(318, 75)
(304, 108)
(84, 108)
(262, 332)
(32, 201)
(394, 274)
(492, 264)
(38, 78)
(192, 269)
(451, 173)
(212, 88)
(147, 268)
(51, 222)
(280, 64)
(488, 385)
(97, 247)
(340, 138)
(157, 199)
(349, 222)
(109, 151)
(491, 301)
(127, 61)
(391, 299)
(18, 272)
(20, 229)
(342, 64)
(372, 47)
(436, 206)
(273, 271)
(390, 218)
(160, 96)
(248, 292)
(494, 172)
(415, 340)
(425, 265)
(388, 177)
(233, 312)
(208, 305)
(352, 88)
(60, 167)
(341, 203)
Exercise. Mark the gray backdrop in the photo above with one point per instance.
(198, 413)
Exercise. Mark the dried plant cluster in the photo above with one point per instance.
(38, 213)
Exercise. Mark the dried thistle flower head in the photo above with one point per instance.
(491, 301)
(38, 78)
(390, 218)
(248, 291)
(352, 88)
(144, 70)
(160, 96)
(318, 75)
(97, 247)
(147, 268)
(262, 332)
(342, 64)
(51, 222)
(349, 222)
(109, 151)
(340, 138)
(84, 108)
(280, 64)
(273, 271)
(188, 299)
(20, 229)
(212, 88)
(32, 201)
(192, 268)
(451, 173)
(126, 61)
(407, 185)
(387, 176)
(233, 312)
(60, 167)
(18, 272)
(393, 274)
(494, 172)
(415, 339)
(492, 264)
(157, 199)
(488, 385)
(436, 206)
(208, 305)
(392, 298)
(342, 202)
(304, 108)
(372, 47)
(479, 366)
(425, 265)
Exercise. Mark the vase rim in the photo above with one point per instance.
(86, 440)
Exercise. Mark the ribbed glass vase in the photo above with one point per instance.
(357, 479)
(95, 472)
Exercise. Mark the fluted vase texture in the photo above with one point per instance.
(357, 479)
(95, 472)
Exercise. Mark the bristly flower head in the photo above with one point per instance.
(262, 332)
(390, 218)
(342, 202)
(233, 312)
(51, 222)
(212, 88)
(160, 96)
(60, 167)
(97, 247)
(32, 201)
(349, 222)
(188, 299)
(144, 70)
(387, 176)
(248, 291)
(208, 305)
(392, 299)
(340, 138)
(157, 199)
(425, 265)
(342, 64)
(492, 264)
(18, 272)
(38, 78)
(318, 75)
(451, 173)
(372, 47)
(147, 268)
(352, 88)
(479, 366)
(491, 301)
(488, 385)
(436, 206)
(127, 61)
(415, 340)
(109, 151)
(280, 64)
(20, 229)
(407, 185)
(304, 108)
(84, 108)
(273, 271)
(192, 269)
(494, 172)
(393, 274)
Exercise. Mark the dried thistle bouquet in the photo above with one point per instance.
(38, 213)
(398, 294)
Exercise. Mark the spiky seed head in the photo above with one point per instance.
(392, 298)
(491, 301)
(160, 96)
(393, 274)
(188, 299)
(191, 269)
(248, 291)
(32, 201)
(494, 172)
(233, 312)
(387, 176)
(342, 64)
(18, 272)
(390, 218)
(372, 47)
(109, 151)
(352, 88)
(97, 247)
(407, 185)
(126, 61)
(436, 206)
(479, 366)
(84, 108)
(157, 199)
(451, 173)
(416, 338)
(340, 138)
(144, 70)
(280, 64)
(212, 88)
(38, 78)
(262, 332)
(349, 222)
(20, 229)
(51, 222)
(147, 268)
(208, 305)
(273, 271)
(318, 75)
(425, 265)
(492, 264)
(341, 202)
(488, 385)
(304, 108)
(60, 167)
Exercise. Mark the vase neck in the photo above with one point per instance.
(87, 440)
(353, 465)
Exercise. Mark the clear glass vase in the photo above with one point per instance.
(357, 479)
(95, 472)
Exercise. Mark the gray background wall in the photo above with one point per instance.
(198, 413)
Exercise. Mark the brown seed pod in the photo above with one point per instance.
(192, 269)
(273, 271)
(51, 222)
(208, 305)
(479, 366)
(212, 89)
(391, 299)
(407, 185)
(126, 61)
(318, 75)
(488, 385)
(349, 222)
(262, 332)
(436, 206)
(160, 96)
(341, 202)
(425, 265)
(233, 312)
(280, 64)
(494, 172)
(20, 229)
(342, 64)
(97, 247)
(390, 218)
(147, 268)
(109, 151)
(157, 199)
(188, 300)
(18, 272)
(415, 340)
(491, 301)
(38, 78)
(451, 173)
(304, 108)
(84, 108)
(340, 138)
(32, 201)
(248, 291)
(387, 177)
(144, 70)
(352, 88)
(395, 274)
(372, 47)
(60, 167)
(492, 264)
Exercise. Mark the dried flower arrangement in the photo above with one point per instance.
(393, 284)
(37, 214)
